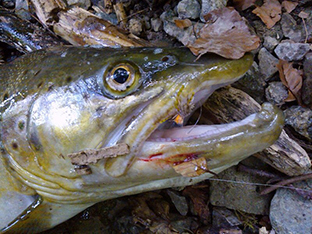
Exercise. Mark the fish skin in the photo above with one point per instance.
(56, 102)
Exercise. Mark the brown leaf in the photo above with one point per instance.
(270, 12)
(243, 4)
(183, 23)
(289, 6)
(226, 34)
(292, 79)
(192, 168)
(199, 198)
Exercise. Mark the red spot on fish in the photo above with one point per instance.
(150, 158)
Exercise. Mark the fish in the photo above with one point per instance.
(81, 125)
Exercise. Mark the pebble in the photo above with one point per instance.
(188, 9)
(179, 202)
(300, 119)
(291, 212)
(210, 5)
(290, 28)
(252, 83)
(291, 51)
(156, 24)
(239, 196)
(307, 80)
(276, 93)
(267, 63)
(135, 26)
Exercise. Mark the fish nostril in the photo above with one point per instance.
(21, 125)
(14, 145)
(165, 59)
(5, 96)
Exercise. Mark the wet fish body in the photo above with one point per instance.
(67, 100)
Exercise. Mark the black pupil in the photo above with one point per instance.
(121, 75)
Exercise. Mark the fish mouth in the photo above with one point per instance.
(219, 144)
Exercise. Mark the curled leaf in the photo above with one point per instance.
(226, 34)
(270, 12)
(292, 79)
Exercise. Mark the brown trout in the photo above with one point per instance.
(65, 101)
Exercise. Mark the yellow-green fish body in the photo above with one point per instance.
(74, 100)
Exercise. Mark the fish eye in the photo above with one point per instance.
(121, 79)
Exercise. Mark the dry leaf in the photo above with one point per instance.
(199, 198)
(192, 168)
(226, 34)
(292, 79)
(243, 4)
(270, 12)
(183, 23)
(289, 6)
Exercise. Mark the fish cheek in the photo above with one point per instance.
(14, 132)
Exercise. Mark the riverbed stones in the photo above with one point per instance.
(276, 93)
(291, 51)
(291, 212)
(267, 63)
(188, 9)
(300, 119)
(307, 80)
(242, 195)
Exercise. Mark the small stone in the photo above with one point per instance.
(291, 51)
(307, 80)
(239, 196)
(270, 43)
(208, 5)
(290, 28)
(252, 83)
(300, 119)
(222, 217)
(291, 212)
(267, 63)
(156, 24)
(135, 26)
(179, 202)
(85, 4)
(188, 9)
(276, 93)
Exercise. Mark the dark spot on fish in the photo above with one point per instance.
(50, 87)
(86, 96)
(39, 85)
(15, 145)
(34, 140)
(165, 59)
(21, 125)
(37, 72)
(5, 96)
(69, 79)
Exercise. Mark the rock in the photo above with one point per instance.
(252, 83)
(270, 43)
(267, 63)
(269, 36)
(183, 224)
(209, 5)
(222, 217)
(290, 51)
(156, 24)
(188, 9)
(307, 80)
(183, 35)
(290, 28)
(135, 26)
(291, 212)
(276, 93)
(239, 196)
(300, 119)
(179, 202)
